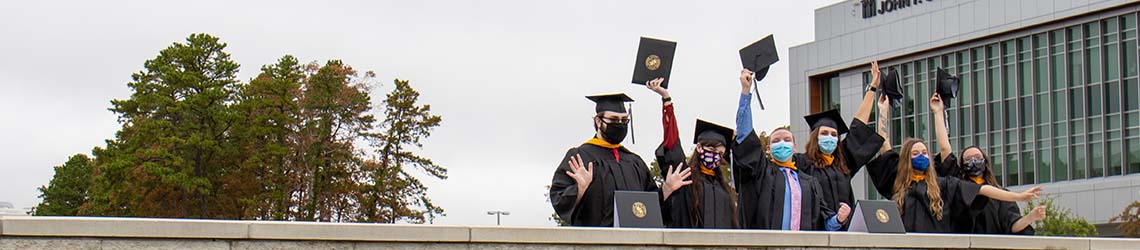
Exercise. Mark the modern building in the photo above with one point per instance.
(1049, 87)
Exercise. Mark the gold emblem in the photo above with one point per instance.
(653, 62)
(639, 209)
(882, 215)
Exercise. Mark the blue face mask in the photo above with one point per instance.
(828, 143)
(920, 162)
(782, 151)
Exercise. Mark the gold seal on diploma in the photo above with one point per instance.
(652, 62)
(882, 215)
(639, 210)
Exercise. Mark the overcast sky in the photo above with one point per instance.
(508, 77)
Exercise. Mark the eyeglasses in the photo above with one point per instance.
(615, 120)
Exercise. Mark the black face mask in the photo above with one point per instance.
(615, 132)
(975, 167)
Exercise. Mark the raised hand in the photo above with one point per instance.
(844, 212)
(875, 74)
(676, 179)
(655, 86)
(583, 175)
(745, 80)
(936, 104)
(1037, 214)
(1030, 194)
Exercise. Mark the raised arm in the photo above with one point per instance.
(883, 123)
(940, 131)
(744, 109)
(864, 112)
(999, 194)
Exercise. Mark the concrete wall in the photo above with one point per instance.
(33, 233)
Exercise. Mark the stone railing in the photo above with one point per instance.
(32, 233)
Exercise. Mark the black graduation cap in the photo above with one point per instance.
(830, 118)
(947, 86)
(614, 102)
(757, 57)
(889, 85)
(706, 130)
(654, 60)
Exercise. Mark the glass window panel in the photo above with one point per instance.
(1132, 119)
(1112, 97)
(1094, 100)
(1043, 131)
(1092, 59)
(1096, 160)
(1044, 160)
(1115, 158)
(1077, 99)
(1028, 172)
(1060, 163)
(1131, 95)
(1043, 113)
(998, 168)
(992, 79)
(1026, 111)
(1011, 169)
(1129, 64)
(996, 117)
(1133, 155)
(1060, 106)
(1057, 75)
(1039, 74)
(1007, 75)
(1076, 69)
(1111, 62)
(1061, 128)
(1011, 114)
(1095, 125)
(1079, 163)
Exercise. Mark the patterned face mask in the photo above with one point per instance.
(975, 166)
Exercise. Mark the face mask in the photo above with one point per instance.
(975, 167)
(920, 162)
(827, 144)
(782, 151)
(710, 159)
(615, 132)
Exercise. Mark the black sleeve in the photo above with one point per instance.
(747, 157)
(860, 145)
(824, 212)
(960, 195)
(883, 171)
(564, 189)
(666, 158)
(947, 167)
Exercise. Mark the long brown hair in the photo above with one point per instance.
(816, 155)
(695, 215)
(987, 174)
(903, 181)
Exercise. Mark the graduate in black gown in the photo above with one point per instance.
(834, 161)
(927, 203)
(986, 216)
(709, 201)
(582, 189)
(774, 194)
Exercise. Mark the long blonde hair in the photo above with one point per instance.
(903, 181)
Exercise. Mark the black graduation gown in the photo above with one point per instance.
(760, 186)
(987, 215)
(859, 147)
(957, 197)
(597, 207)
(716, 205)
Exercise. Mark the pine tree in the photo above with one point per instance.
(68, 189)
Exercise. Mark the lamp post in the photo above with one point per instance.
(498, 216)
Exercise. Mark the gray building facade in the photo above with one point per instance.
(1050, 87)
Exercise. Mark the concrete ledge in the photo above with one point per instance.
(712, 237)
(567, 235)
(33, 233)
(1031, 242)
(123, 227)
(910, 240)
(357, 232)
